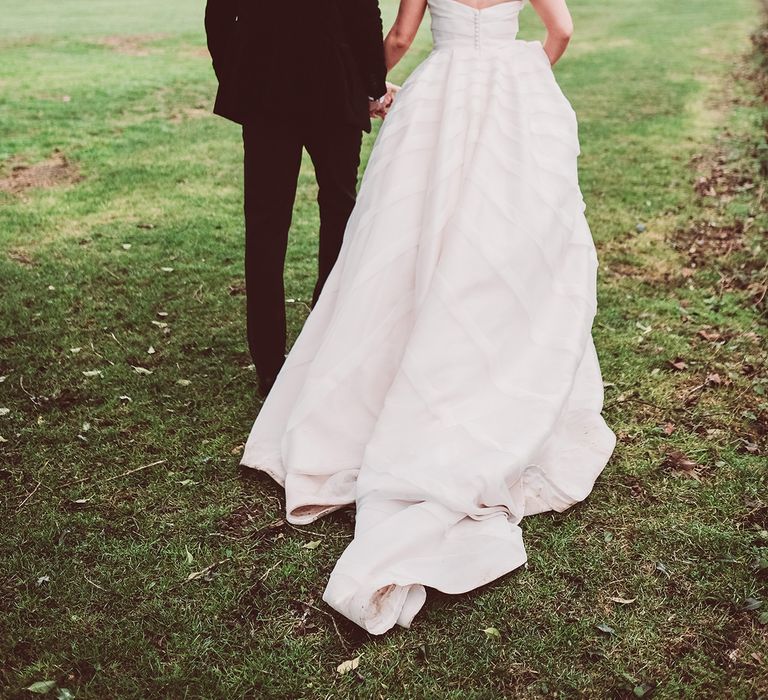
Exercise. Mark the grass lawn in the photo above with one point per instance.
(136, 562)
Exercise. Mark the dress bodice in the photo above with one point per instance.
(457, 25)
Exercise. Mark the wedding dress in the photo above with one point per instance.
(446, 383)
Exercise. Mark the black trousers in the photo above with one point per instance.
(272, 151)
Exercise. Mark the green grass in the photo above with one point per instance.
(93, 589)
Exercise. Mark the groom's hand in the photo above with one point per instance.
(377, 108)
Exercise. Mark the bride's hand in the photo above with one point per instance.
(392, 90)
(389, 98)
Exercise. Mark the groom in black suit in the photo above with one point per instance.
(294, 73)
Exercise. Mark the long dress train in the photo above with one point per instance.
(446, 382)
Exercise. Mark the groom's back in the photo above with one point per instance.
(294, 56)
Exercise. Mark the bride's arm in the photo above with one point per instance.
(403, 31)
(557, 20)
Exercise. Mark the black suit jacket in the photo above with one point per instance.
(296, 59)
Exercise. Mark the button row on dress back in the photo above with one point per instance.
(477, 29)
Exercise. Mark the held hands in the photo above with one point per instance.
(380, 108)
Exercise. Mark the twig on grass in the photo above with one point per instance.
(298, 302)
(204, 572)
(32, 493)
(118, 476)
(95, 585)
(269, 570)
(114, 337)
(327, 614)
(98, 354)
(32, 398)
(318, 534)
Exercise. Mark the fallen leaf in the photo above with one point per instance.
(125, 399)
(605, 628)
(167, 269)
(4, 411)
(150, 350)
(679, 465)
(492, 632)
(41, 687)
(348, 665)
(751, 604)
(206, 572)
(669, 428)
(2, 379)
(74, 351)
(43, 579)
(314, 544)
(160, 324)
(713, 380)
(142, 370)
(64, 694)
(162, 314)
(678, 363)
(183, 382)
(623, 601)
(92, 373)
(86, 427)
(126, 246)
(709, 335)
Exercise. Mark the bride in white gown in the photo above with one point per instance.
(446, 382)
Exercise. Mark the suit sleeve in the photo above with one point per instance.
(220, 18)
(370, 47)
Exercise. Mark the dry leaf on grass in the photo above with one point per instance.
(677, 464)
(348, 665)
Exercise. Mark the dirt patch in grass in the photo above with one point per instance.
(185, 113)
(136, 45)
(647, 256)
(197, 52)
(716, 178)
(20, 256)
(705, 241)
(244, 520)
(57, 170)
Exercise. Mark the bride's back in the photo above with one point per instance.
(480, 25)
(482, 4)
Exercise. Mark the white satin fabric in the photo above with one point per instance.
(446, 382)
